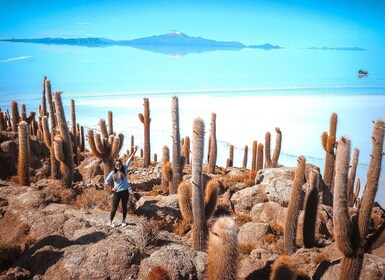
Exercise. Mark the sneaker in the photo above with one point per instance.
(111, 224)
(124, 223)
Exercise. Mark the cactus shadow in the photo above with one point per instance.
(323, 267)
(262, 273)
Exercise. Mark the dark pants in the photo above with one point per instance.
(117, 196)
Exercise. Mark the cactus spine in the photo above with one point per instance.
(177, 161)
(213, 144)
(328, 143)
(24, 154)
(311, 207)
(146, 120)
(199, 228)
(295, 202)
(222, 252)
(67, 162)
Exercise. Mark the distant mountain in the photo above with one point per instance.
(337, 49)
(173, 43)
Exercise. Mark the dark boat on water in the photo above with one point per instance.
(362, 73)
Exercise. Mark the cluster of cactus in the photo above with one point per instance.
(10, 122)
(196, 201)
(105, 144)
(310, 206)
(351, 233)
(146, 120)
(62, 144)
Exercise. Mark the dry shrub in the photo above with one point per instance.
(277, 229)
(92, 198)
(146, 235)
(246, 248)
(56, 193)
(231, 181)
(159, 273)
(377, 220)
(242, 219)
(270, 238)
(250, 179)
(181, 227)
(319, 258)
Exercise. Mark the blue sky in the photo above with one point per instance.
(290, 23)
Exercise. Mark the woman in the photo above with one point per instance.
(121, 187)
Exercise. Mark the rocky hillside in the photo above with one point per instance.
(50, 232)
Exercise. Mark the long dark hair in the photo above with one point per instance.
(122, 170)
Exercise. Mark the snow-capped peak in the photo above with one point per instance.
(174, 32)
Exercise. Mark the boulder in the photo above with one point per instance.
(182, 262)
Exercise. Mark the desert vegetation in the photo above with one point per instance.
(187, 219)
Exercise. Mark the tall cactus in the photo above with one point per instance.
(310, 210)
(105, 146)
(199, 229)
(186, 150)
(295, 203)
(146, 120)
(177, 160)
(15, 116)
(73, 132)
(213, 144)
(351, 233)
(166, 167)
(329, 143)
(259, 164)
(352, 177)
(245, 154)
(44, 99)
(24, 157)
(222, 252)
(230, 160)
(277, 149)
(254, 156)
(63, 147)
(54, 162)
(267, 150)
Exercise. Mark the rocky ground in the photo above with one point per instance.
(48, 232)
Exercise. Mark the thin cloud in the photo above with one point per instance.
(83, 23)
(14, 59)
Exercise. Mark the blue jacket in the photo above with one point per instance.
(119, 184)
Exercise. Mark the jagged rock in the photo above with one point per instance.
(373, 269)
(252, 233)
(245, 199)
(159, 207)
(182, 262)
(273, 213)
(89, 169)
